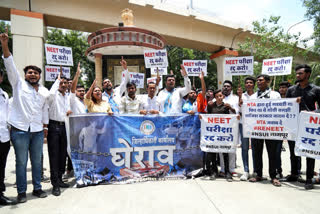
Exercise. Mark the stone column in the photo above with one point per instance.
(98, 68)
(219, 58)
(28, 32)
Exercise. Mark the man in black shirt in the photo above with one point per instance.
(307, 96)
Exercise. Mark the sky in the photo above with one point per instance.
(244, 12)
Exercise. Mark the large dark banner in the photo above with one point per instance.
(124, 149)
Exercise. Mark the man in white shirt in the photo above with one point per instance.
(59, 108)
(264, 92)
(4, 142)
(130, 103)
(149, 103)
(113, 96)
(170, 98)
(76, 96)
(28, 118)
(233, 100)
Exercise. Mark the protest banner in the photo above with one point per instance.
(125, 149)
(154, 79)
(162, 71)
(219, 133)
(308, 140)
(270, 118)
(58, 55)
(155, 58)
(237, 66)
(194, 67)
(53, 71)
(278, 66)
(137, 78)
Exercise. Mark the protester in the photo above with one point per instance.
(28, 118)
(233, 100)
(113, 96)
(191, 105)
(4, 142)
(249, 83)
(170, 98)
(307, 95)
(130, 103)
(264, 92)
(218, 107)
(59, 108)
(76, 97)
(94, 102)
(150, 104)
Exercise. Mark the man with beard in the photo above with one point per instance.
(113, 96)
(59, 108)
(264, 92)
(170, 98)
(233, 100)
(307, 95)
(28, 118)
(130, 103)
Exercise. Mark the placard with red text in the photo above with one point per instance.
(156, 58)
(194, 67)
(219, 133)
(53, 71)
(308, 140)
(278, 66)
(270, 118)
(237, 66)
(58, 55)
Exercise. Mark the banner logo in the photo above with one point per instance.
(147, 127)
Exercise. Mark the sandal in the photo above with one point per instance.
(256, 179)
(275, 182)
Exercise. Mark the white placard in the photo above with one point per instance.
(156, 58)
(270, 118)
(194, 67)
(308, 140)
(53, 71)
(154, 79)
(219, 133)
(162, 71)
(58, 55)
(237, 66)
(278, 66)
(137, 78)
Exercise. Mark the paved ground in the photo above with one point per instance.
(174, 196)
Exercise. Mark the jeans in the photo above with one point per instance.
(4, 150)
(245, 151)
(24, 142)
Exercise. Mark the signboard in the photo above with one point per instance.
(137, 78)
(156, 58)
(278, 66)
(237, 66)
(162, 71)
(194, 67)
(154, 79)
(53, 71)
(58, 55)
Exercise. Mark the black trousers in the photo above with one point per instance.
(4, 150)
(257, 145)
(57, 149)
(211, 163)
(295, 160)
(69, 164)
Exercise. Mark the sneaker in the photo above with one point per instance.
(229, 177)
(234, 174)
(45, 179)
(245, 176)
(308, 185)
(22, 197)
(39, 193)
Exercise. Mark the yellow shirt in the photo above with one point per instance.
(102, 107)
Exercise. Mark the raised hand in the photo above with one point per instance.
(201, 75)
(183, 71)
(4, 38)
(78, 69)
(123, 63)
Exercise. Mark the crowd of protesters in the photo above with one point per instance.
(35, 113)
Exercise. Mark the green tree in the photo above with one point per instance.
(5, 84)
(78, 42)
(313, 13)
(272, 41)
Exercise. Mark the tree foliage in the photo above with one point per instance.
(5, 84)
(272, 41)
(313, 13)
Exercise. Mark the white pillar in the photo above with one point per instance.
(28, 31)
(219, 60)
